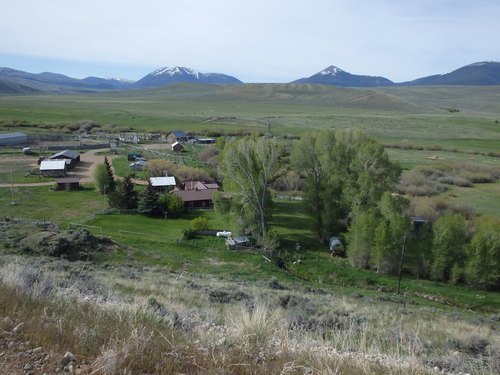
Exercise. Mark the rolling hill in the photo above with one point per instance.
(483, 73)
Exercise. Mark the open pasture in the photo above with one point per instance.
(403, 113)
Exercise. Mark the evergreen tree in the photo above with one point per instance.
(124, 196)
(111, 181)
(148, 201)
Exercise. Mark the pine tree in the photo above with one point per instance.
(124, 196)
(148, 201)
(111, 182)
(129, 194)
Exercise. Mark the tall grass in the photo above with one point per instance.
(127, 320)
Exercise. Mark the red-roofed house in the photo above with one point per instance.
(196, 194)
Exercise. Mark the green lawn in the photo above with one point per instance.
(156, 242)
(43, 203)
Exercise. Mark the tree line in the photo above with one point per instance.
(348, 184)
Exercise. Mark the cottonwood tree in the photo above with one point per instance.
(483, 265)
(101, 178)
(346, 172)
(249, 166)
(448, 247)
(391, 234)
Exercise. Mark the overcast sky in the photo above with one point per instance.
(253, 40)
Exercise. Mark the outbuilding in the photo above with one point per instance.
(177, 146)
(238, 243)
(163, 183)
(68, 183)
(72, 157)
(7, 139)
(177, 136)
(53, 168)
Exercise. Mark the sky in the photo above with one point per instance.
(255, 41)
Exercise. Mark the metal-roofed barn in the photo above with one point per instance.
(53, 168)
(72, 157)
(7, 139)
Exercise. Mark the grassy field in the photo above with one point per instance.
(485, 198)
(287, 108)
(43, 203)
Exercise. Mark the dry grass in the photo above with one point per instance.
(128, 320)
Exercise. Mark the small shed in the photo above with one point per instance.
(68, 183)
(7, 139)
(138, 165)
(176, 146)
(53, 168)
(177, 136)
(163, 183)
(237, 243)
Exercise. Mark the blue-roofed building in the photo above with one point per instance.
(177, 136)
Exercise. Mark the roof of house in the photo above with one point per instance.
(198, 185)
(51, 165)
(178, 133)
(177, 143)
(194, 195)
(68, 180)
(163, 181)
(66, 153)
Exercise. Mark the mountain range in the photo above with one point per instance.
(19, 82)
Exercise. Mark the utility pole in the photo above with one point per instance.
(13, 203)
(401, 260)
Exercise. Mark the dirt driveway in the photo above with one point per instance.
(84, 170)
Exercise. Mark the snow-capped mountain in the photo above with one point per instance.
(54, 82)
(338, 77)
(172, 74)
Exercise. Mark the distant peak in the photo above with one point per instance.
(481, 63)
(175, 70)
(331, 70)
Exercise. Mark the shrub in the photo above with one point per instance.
(200, 223)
